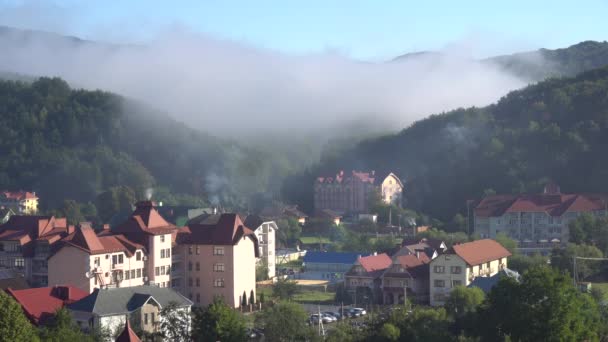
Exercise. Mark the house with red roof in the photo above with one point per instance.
(22, 202)
(461, 264)
(352, 192)
(406, 278)
(127, 335)
(40, 304)
(218, 259)
(534, 219)
(26, 243)
(365, 275)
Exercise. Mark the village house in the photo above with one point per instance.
(110, 308)
(364, 276)
(461, 264)
(21, 202)
(535, 219)
(352, 193)
(25, 245)
(278, 211)
(329, 266)
(218, 259)
(406, 278)
(265, 231)
(40, 304)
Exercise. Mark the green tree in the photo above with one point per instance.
(389, 332)
(218, 322)
(423, 324)
(521, 262)
(464, 300)
(285, 322)
(507, 242)
(251, 298)
(114, 200)
(14, 326)
(284, 289)
(545, 306)
(261, 271)
(562, 259)
(61, 328)
(175, 325)
(289, 231)
(244, 299)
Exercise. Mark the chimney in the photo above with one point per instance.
(417, 254)
(71, 228)
(375, 253)
(106, 226)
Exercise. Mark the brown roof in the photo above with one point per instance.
(19, 195)
(145, 219)
(227, 231)
(127, 335)
(27, 229)
(365, 177)
(480, 251)
(84, 238)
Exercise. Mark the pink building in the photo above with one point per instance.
(218, 260)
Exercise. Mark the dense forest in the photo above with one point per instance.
(73, 144)
(554, 130)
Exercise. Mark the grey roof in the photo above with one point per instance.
(126, 299)
(487, 283)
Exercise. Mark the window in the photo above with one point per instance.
(189, 249)
(96, 262)
(162, 270)
(198, 266)
(198, 297)
(127, 275)
(190, 266)
(139, 273)
(456, 269)
(157, 271)
(175, 283)
(19, 262)
(218, 250)
(114, 259)
(120, 259)
(95, 280)
(198, 250)
(190, 282)
(138, 256)
(488, 265)
(198, 282)
(168, 270)
(1, 247)
(439, 283)
(132, 274)
(152, 317)
(162, 253)
(456, 283)
(162, 238)
(439, 269)
(168, 252)
(146, 318)
(218, 283)
(218, 268)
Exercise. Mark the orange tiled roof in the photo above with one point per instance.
(480, 251)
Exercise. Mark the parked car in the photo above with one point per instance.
(334, 314)
(331, 317)
(356, 312)
(314, 318)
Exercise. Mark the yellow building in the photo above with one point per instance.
(392, 189)
(21, 202)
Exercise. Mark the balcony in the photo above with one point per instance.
(176, 258)
(117, 266)
(176, 273)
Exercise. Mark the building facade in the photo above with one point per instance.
(21, 202)
(265, 231)
(352, 193)
(26, 242)
(406, 278)
(218, 259)
(365, 276)
(462, 264)
(535, 218)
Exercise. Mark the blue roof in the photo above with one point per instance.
(332, 257)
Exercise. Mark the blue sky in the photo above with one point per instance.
(368, 30)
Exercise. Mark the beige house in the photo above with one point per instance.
(25, 245)
(462, 264)
(219, 259)
(90, 262)
(365, 275)
(407, 277)
(22, 202)
(391, 190)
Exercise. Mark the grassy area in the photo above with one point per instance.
(309, 240)
(291, 264)
(303, 296)
(603, 286)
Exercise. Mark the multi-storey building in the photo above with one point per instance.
(366, 274)
(265, 231)
(460, 265)
(25, 245)
(407, 278)
(21, 202)
(535, 218)
(218, 260)
(352, 193)
(90, 262)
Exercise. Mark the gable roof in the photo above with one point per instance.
(375, 262)
(480, 251)
(145, 220)
(228, 230)
(41, 303)
(487, 283)
(85, 238)
(331, 257)
(115, 301)
(18, 195)
(127, 334)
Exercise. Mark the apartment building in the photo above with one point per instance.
(265, 231)
(218, 259)
(460, 265)
(22, 202)
(535, 218)
(90, 262)
(351, 193)
(25, 245)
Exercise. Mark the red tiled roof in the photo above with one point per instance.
(480, 251)
(553, 204)
(19, 195)
(127, 335)
(410, 260)
(365, 177)
(145, 219)
(227, 231)
(26, 229)
(41, 303)
(85, 239)
(375, 262)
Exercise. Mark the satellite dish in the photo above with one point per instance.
(88, 274)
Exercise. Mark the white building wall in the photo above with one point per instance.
(157, 263)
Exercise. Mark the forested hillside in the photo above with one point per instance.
(555, 130)
(73, 144)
